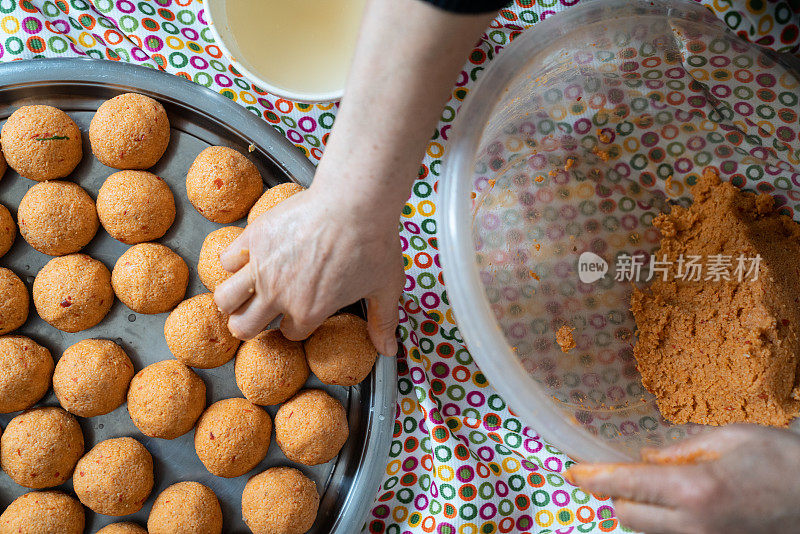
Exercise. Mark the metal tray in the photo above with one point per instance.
(199, 118)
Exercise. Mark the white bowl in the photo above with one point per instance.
(216, 11)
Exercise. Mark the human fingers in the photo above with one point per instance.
(706, 447)
(298, 329)
(644, 483)
(251, 318)
(236, 290)
(237, 254)
(651, 518)
(383, 317)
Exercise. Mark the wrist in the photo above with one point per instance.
(375, 181)
(368, 207)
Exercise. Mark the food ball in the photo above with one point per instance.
(266, 508)
(130, 131)
(185, 507)
(92, 377)
(41, 143)
(222, 184)
(25, 371)
(165, 399)
(14, 303)
(311, 427)
(8, 228)
(340, 351)
(115, 477)
(43, 512)
(232, 437)
(209, 268)
(40, 447)
(150, 278)
(57, 218)
(197, 333)
(272, 197)
(73, 292)
(135, 206)
(122, 528)
(270, 368)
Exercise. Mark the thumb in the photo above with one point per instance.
(382, 320)
(237, 255)
(706, 447)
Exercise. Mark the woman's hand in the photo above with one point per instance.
(338, 242)
(737, 479)
(314, 253)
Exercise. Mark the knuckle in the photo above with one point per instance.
(293, 334)
(311, 317)
(703, 490)
(386, 327)
(299, 319)
(297, 328)
(385, 322)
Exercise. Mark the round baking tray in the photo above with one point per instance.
(199, 118)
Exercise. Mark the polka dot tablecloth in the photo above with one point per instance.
(460, 461)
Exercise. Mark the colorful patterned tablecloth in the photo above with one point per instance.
(460, 461)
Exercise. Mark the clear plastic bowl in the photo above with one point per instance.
(564, 147)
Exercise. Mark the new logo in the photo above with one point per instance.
(591, 267)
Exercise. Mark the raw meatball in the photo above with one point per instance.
(25, 371)
(41, 143)
(232, 437)
(40, 447)
(135, 206)
(267, 509)
(165, 399)
(150, 278)
(185, 507)
(340, 351)
(115, 477)
(43, 512)
(222, 184)
(311, 427)
(8, 229)
(57, 218)
(272, 197)
(130, 131)
(14, 303)
(209, 268)
(73, 292)
(122, 528)
(197, 333)
(269, 368)
(92, 377)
